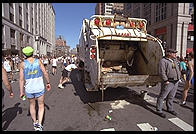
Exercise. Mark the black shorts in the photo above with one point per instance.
(45, 65)
(64, 73)
(53, 66)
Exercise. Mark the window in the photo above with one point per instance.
(20, 23)
(27, 17)
(11, 17)
(20, 10)
(27, 27)
(32, 11)
(13, 46)
(147, 12)
(28, 38)
(12, 33)
(21, 36)
(160, 11)
(11, 5)
(3, 45)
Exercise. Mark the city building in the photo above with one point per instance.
(168, 21)
(73, 52)
(190, 38)
(28, 24)
(109, 8)
(61, 49)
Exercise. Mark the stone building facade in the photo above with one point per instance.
(28, 24)
(168, 21)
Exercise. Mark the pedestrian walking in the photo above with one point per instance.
(189, 78)
(7, 64)
(31, 74)
(7, 85)
(6, 82)
(183, 68)
(64, 62)
(170, 74)
(14, 62)
(17, 63)
(45, 62)
(54, 65)
(65, 75)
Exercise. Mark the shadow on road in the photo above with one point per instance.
(85, 96)
(110, 94)
(9, 114)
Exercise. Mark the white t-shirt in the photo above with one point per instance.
(70, 67)
(45, 61)
(54, 62)
(64, 61)
(7, 66)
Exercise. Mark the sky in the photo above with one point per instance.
(69, 18)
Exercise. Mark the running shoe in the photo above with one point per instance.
(60, 86)
(183, 103)
(39, 127)
(35, 124)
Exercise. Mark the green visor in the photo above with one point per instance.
(28, 51)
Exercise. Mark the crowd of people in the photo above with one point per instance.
(32, 69)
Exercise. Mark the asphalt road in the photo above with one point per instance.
(74, 109)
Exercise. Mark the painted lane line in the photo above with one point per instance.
(180, 123)
(146, 127)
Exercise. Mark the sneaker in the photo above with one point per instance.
(35, 124)
(172, 112)
(61, 86)
(161, 114)
(39, 127)
(183, 103)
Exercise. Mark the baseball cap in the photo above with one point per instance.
(28, 50)
(171, 51)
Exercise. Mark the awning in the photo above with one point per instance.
(188, 50)
(190, 27)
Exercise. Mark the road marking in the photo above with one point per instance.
(119, 104)
(180, 123)
(146, 127)
(150, 99)
(108, 129)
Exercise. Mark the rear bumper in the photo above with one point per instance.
(121, 80)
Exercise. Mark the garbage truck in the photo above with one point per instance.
(116, 51)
